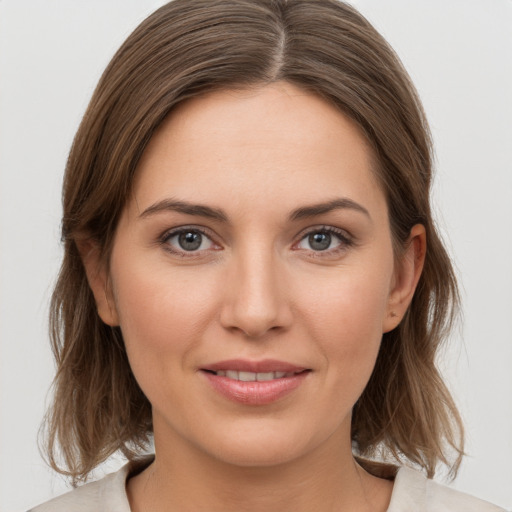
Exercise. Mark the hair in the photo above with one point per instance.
(190, 47)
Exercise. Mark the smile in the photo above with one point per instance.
(252, 376)
(254, 383)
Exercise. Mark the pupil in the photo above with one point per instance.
(190, 241)
(320, 241)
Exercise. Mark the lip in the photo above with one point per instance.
(243, 365)
(255, 392)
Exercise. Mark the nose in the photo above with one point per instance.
(255, 296)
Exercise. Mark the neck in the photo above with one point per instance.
(185, 479)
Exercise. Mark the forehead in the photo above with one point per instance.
(277, 141)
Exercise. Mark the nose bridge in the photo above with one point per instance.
(255, 299)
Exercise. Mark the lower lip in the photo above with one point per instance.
(255, 392)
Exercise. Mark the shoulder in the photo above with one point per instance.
(91, 497)
(109, 493)
(413, 491)
(441, 498)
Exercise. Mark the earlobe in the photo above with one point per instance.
(407, 275)
(99, 280)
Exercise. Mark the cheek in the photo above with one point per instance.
(346, 322)
(162, 315)
(352, 304)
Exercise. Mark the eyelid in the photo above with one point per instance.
(204, 231)
(343, 235)
(346, 239)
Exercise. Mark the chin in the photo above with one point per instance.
(249, 455)
(256, 445)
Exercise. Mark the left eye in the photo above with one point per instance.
(321, 240)
(188, 240)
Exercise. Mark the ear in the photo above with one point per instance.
(99, 280)
(407, 274)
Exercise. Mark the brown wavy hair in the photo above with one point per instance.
(187, 48)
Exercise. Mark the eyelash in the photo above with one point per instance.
(164, 240)
(344, 238)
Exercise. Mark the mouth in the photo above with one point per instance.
(253, 376)
(255, 383)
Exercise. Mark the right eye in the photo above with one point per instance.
(187, 240)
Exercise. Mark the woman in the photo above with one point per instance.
(252, 277)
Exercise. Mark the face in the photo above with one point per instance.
(252, 275)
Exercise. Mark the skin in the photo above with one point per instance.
(256, 289)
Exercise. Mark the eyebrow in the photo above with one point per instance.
(217, 214)
(184, 207)
(322, 208)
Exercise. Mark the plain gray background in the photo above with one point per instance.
(458, 53)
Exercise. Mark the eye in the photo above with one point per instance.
(187, 240)
(324, 240)
(319, 241)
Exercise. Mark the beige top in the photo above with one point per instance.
(412, 492)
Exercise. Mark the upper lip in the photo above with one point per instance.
(264, 366)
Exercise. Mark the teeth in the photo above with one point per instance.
(266, 376)
(251, 376)
(247, 376)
